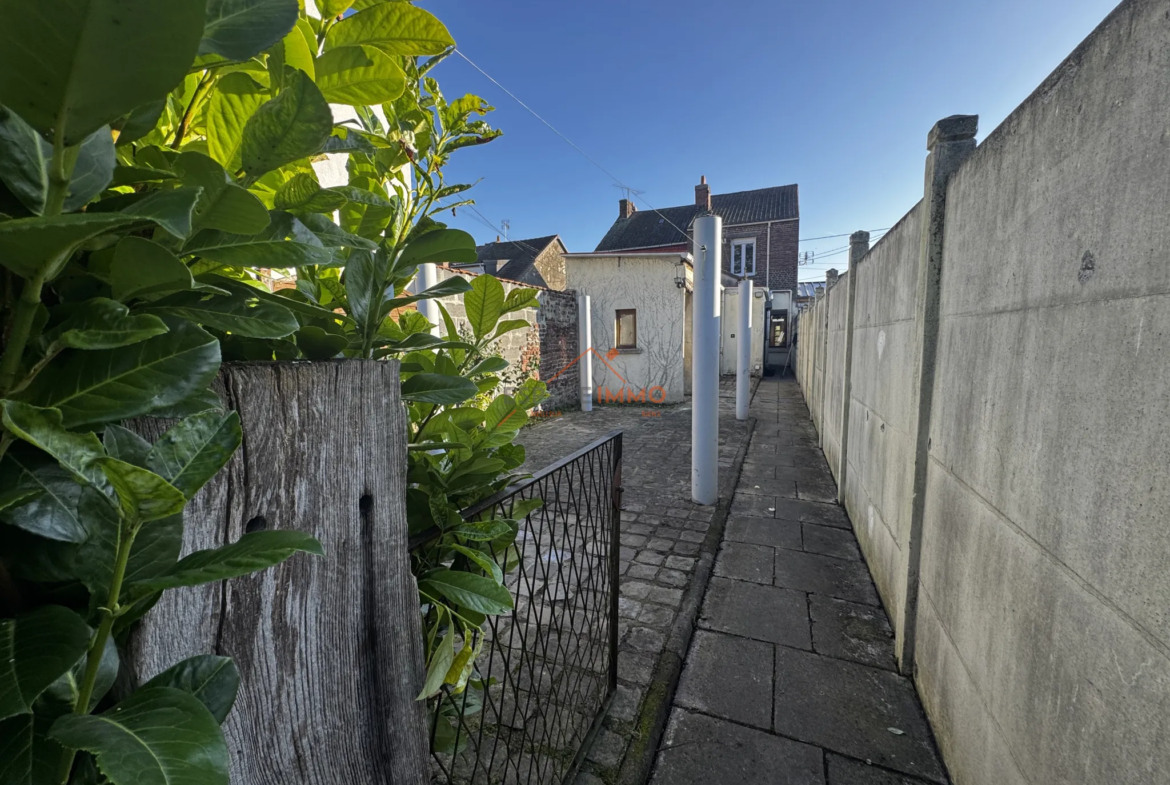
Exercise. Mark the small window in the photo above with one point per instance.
(743, 258)
(778, 332)
(627, 329)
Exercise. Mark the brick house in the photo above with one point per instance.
(761, 231)
(536, 262)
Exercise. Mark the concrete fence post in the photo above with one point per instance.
(823, 352)
(858, 248)
(706, 332)
(950, 142)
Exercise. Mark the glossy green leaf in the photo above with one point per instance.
(233, 102)
(240, 29)
(61, 507)
(365, 286)
(172, 210)
(291, 126)
(455, 285)
(76, 65)
(520, 298)
(93, 171)
(24, 167)
(330, 9)
(476, 592)
(157, 736)
(294, 51)
(32, 245)
(118, 384)
(395, 28)
(236, 250)
(505, 414)
(252, 552)
(67, 688)
(303, 193)
(359, 76)
(509, 325)
(489, 365)
(483, 561)
(43, 429)
(241, 314)
(35, 649)
(143, 495)
(213, 680)
(27, 755)
(194, 450)
(440, 663)
(125, 445)
(142, 268)
(196, 403)
(444, 245)
(102, 323)
(139, 122)
(222, 205)
(317, 344)
(483, 531)
(484, 303)
(438, 388)
(333, 236)
(288, 298)
(347, 140)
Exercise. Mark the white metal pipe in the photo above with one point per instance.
(585, 344)
(743, 351)
(708, 249)
(426, 277)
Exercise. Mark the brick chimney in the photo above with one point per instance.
(626, 208)
(703, 194)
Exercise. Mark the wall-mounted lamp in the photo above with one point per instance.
(680, 275)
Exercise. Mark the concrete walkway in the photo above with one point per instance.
(790, 678)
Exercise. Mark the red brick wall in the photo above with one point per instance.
(785, 246)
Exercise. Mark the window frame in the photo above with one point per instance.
(743, 242)
(617, 328)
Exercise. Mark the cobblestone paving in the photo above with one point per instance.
(790, 678)
(660, 542)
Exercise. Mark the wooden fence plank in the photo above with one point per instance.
(329, 649)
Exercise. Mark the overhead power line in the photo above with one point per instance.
(632, 191)
(847, 234)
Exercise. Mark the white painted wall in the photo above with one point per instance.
(729, 326)
(647, 285)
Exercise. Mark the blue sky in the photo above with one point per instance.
(836, 95)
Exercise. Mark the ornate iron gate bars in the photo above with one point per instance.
(548, 671)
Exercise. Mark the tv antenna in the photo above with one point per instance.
(505, 227)
(627, 190)
(806, 257)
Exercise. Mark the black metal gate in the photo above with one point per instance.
(546, 672)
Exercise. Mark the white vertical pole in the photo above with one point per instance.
(585, 345)
(743, 353)
(426, 277)
(708, 249)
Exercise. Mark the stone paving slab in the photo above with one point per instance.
(764, 531)
(829, 541)
(843, 771)
(700, 750)
(728, 677)
(863, 712)
(789, 580)
(763, 613)
(850, 631)
(811, 572)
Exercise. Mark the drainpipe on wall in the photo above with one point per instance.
(427, 277)
(743, 351)
(585, 344)
(708, 245)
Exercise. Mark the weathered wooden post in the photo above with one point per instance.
(329, 649)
